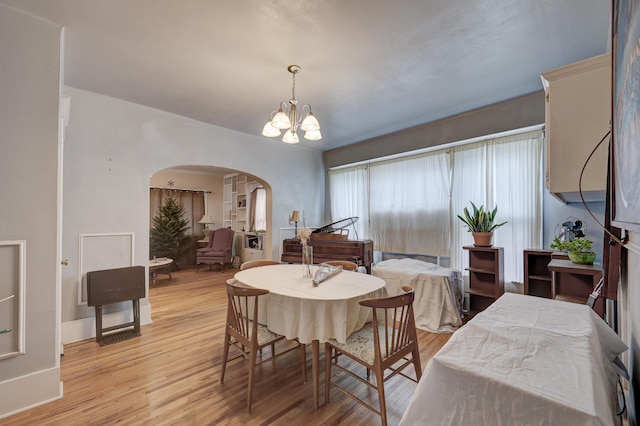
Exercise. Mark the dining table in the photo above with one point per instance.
(297, 309)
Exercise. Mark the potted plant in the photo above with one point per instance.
(481, 223)
(578, 249)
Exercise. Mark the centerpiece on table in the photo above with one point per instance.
(481, 223)
(307, 252)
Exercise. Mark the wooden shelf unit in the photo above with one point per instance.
(486, 276)
(537, 277)
(573, 282)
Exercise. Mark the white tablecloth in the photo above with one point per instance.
(296, 309)
(439, 292)
(525, 360)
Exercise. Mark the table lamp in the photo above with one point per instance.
(295, 218)
(206, 220)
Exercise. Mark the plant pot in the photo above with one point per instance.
(482, 239)
(582, 258)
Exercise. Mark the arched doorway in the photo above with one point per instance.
(206, 191)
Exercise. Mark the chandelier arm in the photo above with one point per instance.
(301, 114)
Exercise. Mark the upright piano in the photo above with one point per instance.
(330, 243)
(358, 251)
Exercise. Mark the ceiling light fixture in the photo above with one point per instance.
(287, 118)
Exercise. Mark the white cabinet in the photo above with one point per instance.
(253, 246)
(577, 116)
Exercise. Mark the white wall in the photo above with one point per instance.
(113, 147)
(29, 95)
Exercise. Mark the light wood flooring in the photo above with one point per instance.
(171, 374)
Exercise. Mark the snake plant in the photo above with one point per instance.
(480, 220)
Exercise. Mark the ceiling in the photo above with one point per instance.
(369, 67)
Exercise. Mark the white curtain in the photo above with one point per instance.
(349, 195)
(409, 204)
(259, 209)
(504, 172)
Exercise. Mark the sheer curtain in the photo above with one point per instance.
(506, 172)
(349, 195)
(258, 210)
(409, 204)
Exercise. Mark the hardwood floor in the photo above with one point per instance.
(171, 374)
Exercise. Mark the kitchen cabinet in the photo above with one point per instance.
(577, 117)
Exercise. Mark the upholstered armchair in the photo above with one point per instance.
(219, 249)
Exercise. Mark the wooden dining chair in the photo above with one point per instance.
(257, 263)
(249, 336)
(389, 342)
(346, 265)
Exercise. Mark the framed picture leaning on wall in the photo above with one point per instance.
(626, 114)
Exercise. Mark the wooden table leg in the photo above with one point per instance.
(315, 361)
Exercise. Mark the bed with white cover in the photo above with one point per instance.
(438, 291)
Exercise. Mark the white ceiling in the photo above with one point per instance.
(369, 67)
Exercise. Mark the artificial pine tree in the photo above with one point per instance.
(168, 237)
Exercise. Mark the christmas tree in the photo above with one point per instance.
(168, 237)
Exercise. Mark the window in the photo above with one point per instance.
(410, 205)
(258, 213)
(504, 172)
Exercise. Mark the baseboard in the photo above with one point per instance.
(85, 328)
(26, 392)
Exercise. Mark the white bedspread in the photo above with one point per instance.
(439, 292)
(523, 361)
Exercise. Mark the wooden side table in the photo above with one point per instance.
(573, 282)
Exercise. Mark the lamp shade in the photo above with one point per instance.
(290, 137)
(310, 123)
(313, 135)
(295, 216)
(269, 131)
(206, 219)
(281, 121)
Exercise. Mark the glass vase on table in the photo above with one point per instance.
(307, 261)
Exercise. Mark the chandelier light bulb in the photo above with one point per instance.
(310, 123)
(290, 137)
(313, 135)
(281, 120)
(269, 131)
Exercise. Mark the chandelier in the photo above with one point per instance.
(286, 118)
